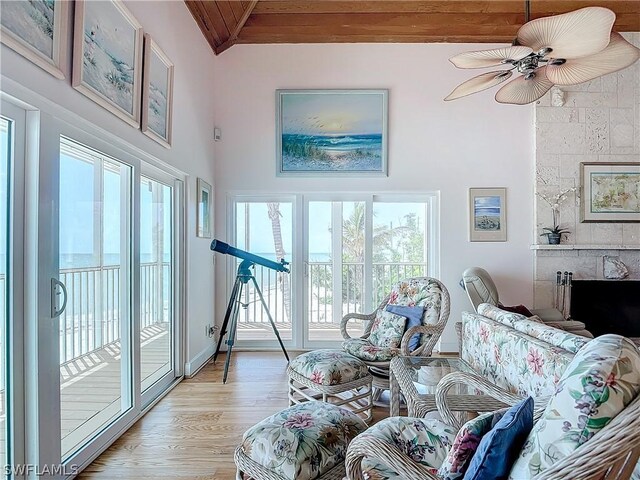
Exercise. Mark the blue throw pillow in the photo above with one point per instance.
(500, 447)
(414, 319)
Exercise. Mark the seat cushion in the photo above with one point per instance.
(387, 329)
(304, 441)
(425, 441)
(365, 350)
(466, 443)
(500, 447)
(601, 380)
(329, 367)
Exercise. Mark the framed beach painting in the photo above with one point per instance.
(331, 132)
(203, 214)
(610, 192)
(107, 57)
(157, 93)
(487, 215)
(37, 30)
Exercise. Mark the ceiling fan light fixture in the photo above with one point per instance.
(524, 90)
(490, 58)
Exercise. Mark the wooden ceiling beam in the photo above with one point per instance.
(394, 6)
(201, 17)
(238, 28)
(442, 21)
(350, 38)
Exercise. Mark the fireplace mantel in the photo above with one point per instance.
(567, 246)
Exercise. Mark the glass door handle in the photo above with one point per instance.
(57, 289)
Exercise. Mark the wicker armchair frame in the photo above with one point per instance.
(611, 454)
(381, 369)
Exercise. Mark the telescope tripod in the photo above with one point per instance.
(243, 277)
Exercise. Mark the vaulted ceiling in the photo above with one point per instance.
(227, 22)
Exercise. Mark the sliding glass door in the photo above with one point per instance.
(95, 267)
(6, 141)
(352, 251)
(157, 287)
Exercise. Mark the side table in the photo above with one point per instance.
(416, 379)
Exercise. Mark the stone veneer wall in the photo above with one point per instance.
(599, 122)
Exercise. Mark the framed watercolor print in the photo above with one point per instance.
(157, 93)
(610, 192)
(487, 215)
(107, 57)
(203, 217)
(37, 30)
(331, 132)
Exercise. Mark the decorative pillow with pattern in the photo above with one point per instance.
(466, 443)
(601, 380)
(387, 329)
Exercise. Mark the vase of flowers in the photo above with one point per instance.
(554, 234)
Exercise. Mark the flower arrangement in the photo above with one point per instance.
(554, 233)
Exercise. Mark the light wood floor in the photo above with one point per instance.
(193, 431)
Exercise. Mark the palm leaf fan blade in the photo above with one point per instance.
(479, 83)
(489, 58)
(525, 90)
(571, 35)
(617, 55)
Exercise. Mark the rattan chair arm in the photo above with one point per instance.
(610, 446)
(477, 405)
(425, 349)
(372, 447)
(357, 316)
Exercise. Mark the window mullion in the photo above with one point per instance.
(368, 256)
(336, 248)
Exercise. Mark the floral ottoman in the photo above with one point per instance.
(332, 376)
(304, 442)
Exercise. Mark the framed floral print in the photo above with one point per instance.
(610, 192)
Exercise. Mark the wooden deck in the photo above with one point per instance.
(91, 393)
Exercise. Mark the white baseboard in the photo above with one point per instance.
(197, 362)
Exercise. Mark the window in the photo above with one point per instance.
(354, 249)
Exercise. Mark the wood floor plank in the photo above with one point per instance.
(192, 432)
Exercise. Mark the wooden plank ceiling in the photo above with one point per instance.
(227, 22)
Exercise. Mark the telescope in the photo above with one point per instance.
(243, 277)
(225, 248)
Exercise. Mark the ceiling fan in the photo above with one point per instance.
(564, 49)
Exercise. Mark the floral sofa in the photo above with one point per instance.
(516, 353)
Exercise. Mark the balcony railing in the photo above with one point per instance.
(92, 317)
(320, 292)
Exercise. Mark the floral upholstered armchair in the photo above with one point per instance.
(588, 429)
(387, 334)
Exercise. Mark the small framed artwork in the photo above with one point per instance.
(157, 93)
(203, 217)
(107, 57)
(37, 30)
(487, 215)
(610, 192)
(331, 132)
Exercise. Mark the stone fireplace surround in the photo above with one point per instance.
(599, 122)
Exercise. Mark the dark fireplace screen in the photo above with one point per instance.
(607, 306)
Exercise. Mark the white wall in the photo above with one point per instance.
(177, 33)
(433, 146)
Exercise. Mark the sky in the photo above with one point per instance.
(331, 114)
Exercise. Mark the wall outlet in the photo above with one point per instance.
(210, 330)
